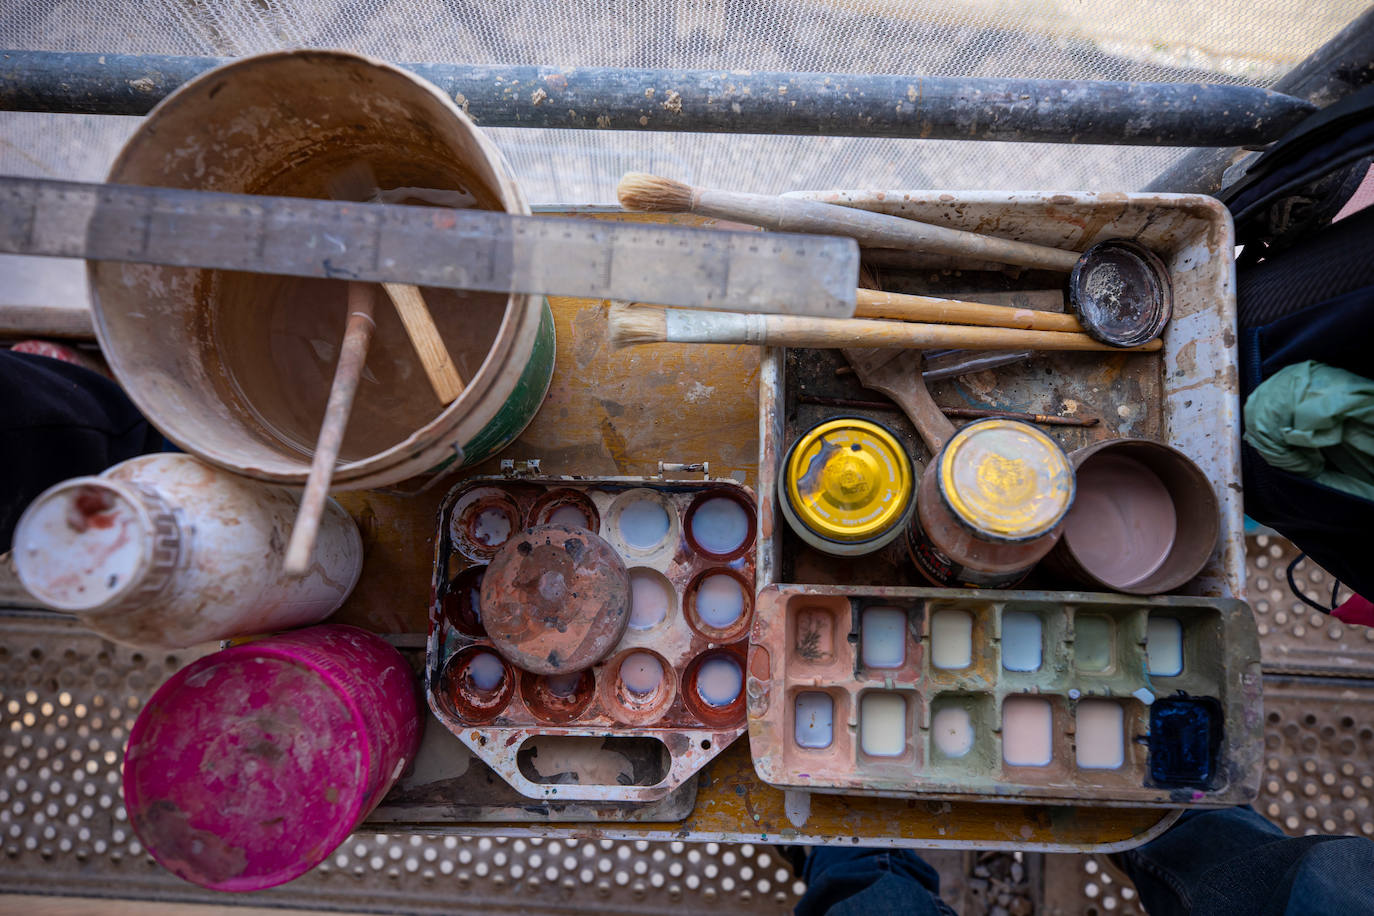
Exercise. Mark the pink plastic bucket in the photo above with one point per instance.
(249, 767)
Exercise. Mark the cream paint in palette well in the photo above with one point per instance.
(903, 693)
(675, 674)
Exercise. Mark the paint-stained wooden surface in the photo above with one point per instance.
(608, 413)
(611, 413)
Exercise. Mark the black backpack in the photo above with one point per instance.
(1305, 290)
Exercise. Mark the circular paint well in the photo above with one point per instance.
(720, 525)
(644, 524)
(492, 527)
(486, 671)
(572, 516)
(719, 681)
(563, 685)
(641, 673)
(720, 601)
(651, 597)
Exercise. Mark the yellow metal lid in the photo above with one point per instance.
(1006, 479)
(849, 480)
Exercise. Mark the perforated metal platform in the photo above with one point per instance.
(67, 699)
(1319, 728)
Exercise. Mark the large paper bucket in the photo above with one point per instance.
(235, 368)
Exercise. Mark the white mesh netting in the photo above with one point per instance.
(1253, 41)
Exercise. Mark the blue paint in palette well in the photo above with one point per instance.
(1185, 735)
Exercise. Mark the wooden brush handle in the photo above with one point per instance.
(874, 230)
(347, 373)
(875, 304)
(424, 337)
(692, 326)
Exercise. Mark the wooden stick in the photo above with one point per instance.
(347, 373)
(637, 324)
(874, 303)
(961, 413)
(638, 191)
(357, 181)
(424, 337)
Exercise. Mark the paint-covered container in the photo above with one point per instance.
(250, 766)
(236, 367)
(1144, 520)
(587, 636)
(990, 505)
(847, 487)
(1022, 696)
(166, 551)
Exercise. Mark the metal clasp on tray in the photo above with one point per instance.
(679, 467)
(522, 468)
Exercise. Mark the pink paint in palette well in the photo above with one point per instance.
(1027, 731)
(641, 673)
(651, 597)
(951, 728)
(1100, 734)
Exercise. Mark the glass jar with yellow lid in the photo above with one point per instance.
(990, 505)
(847, 487)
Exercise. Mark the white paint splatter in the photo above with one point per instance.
(699, 392)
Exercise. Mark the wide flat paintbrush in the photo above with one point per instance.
(638, 324)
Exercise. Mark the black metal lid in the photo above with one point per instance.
(1122, 293)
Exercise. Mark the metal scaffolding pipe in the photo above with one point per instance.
(723, 101)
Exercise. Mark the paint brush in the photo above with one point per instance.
(650, 193)
(347, 373)
(639, 324)
(872, 303)
(358, 183)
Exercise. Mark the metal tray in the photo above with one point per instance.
(1186, 394)
(810, 649)
(536, 736)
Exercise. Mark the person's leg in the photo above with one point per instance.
(843, 881)
(60, 421)
(1232, 860)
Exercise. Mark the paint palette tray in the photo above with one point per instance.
(1006, 696)
(668, 696)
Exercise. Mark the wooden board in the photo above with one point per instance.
(620, 413)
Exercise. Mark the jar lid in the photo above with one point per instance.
(555, 599)
(90, 544)
(1122, 293)
(848, 480)
(1006, 480)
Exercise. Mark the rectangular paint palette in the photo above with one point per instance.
(666, 698)
(1007, 696)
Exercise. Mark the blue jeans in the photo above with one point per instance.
(1227, 862)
